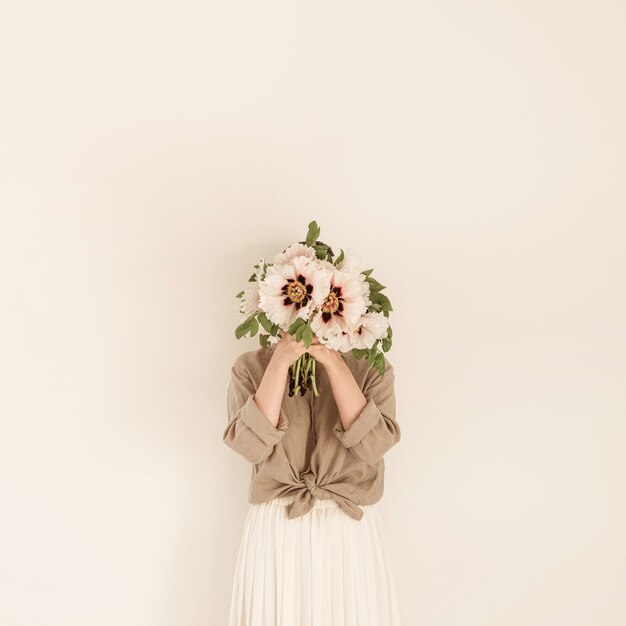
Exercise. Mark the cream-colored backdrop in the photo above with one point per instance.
(473, 152)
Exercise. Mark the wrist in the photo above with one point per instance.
(280, 362)
(336, 362)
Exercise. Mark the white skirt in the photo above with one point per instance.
(323, 568)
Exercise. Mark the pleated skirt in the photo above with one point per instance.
(323, 568)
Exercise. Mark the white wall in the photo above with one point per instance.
(473, 152)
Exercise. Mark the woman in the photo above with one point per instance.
(313, 550)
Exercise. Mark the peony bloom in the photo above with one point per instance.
(343, 305)
(249, 302)
(341, 340)
(372, 326)
(291, 289)
(293, 251)
(352, 264)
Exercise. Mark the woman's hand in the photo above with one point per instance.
(288, 349)
(328, 357)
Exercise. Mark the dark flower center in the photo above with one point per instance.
(297, 291)
(332, 304)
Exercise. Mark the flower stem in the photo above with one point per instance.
(315, 391)
(298, 364)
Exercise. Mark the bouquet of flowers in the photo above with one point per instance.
(309, 292)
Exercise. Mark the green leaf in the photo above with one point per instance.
(307, 336)
(267, 325)
(374, 284)
(339, 259)
(321, 250)
(295, 325)
(381, 301)
(250, 324)
(242, 329)
(313, 233)
(360, 352)
(300, 331)
(254, 327)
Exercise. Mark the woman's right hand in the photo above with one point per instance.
(288, 349)
(269, 395)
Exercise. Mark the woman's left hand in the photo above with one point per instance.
(324, 355)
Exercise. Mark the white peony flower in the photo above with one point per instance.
(339, 341)
(352, 263)
(344, 302)
(293, 251)
(249, 301)
(373, 325)
(291, 289)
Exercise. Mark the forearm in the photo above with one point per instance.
(269, 395)
(346, 391)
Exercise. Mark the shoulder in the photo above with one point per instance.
(252, 361)
(367, 374)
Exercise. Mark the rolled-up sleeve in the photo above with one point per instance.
(249, 432)
(375, 430)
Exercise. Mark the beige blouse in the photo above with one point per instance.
(309, 454)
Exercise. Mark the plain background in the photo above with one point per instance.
(473, 153)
